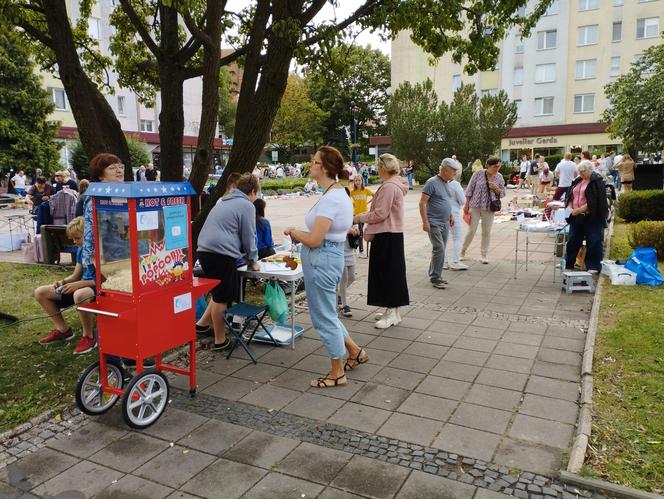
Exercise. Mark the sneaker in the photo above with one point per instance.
(54, 336)
(204, 330)
(388, 319)
(85, 345)
(220, 347)
(458, 266)
(446, 266)
(339, 304)
(593, 271)
(438, 283)
(345, 311)
(484, 260)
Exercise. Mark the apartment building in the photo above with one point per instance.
(556, 76)
(135, 118)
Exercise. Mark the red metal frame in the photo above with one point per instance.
(144, 322)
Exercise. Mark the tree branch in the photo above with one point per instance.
(35, 33)
(142, 31)
(193, 28)
(188, 50)
(311, 12)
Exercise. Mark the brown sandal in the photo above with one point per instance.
(349, 367)
(322, 382)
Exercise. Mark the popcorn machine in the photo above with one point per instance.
(145, 296)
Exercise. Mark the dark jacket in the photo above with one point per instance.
(598, 206)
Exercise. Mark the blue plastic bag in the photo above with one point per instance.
(643, 262)
(276, 302)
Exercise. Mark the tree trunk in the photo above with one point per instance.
(171, 82)
(98, 128)
(209, 112)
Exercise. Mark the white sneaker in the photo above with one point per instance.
(396, 311)
(458, 266)
(389, 319)
(484, 260)
(446, 266)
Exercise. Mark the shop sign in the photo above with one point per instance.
(533, 141)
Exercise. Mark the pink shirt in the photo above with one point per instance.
(579, 194)
(387, 208)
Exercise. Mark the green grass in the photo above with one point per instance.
(627, 442)
(33, 378)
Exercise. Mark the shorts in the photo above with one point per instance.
(522, 175)
(542, 182)
(224, 268)
(67, 300)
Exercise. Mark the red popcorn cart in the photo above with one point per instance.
(145, 296)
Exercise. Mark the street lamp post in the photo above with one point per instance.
(354, 109)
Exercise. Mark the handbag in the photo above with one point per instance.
(494, 204)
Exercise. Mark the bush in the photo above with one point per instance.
(635, 206)
(137, 155)
(421, 176)
(285, 183)
(375, 179)
(553, 161)
(647, 235)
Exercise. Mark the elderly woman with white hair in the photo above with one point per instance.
(384, 228)
(590, 209)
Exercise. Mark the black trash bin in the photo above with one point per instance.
(648, 176)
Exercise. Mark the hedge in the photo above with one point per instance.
(647, 235)
(635, 206)
(283, 183)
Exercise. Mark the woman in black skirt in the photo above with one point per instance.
(384, 228)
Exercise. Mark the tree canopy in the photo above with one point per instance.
(469, 127)
(299, 121)
(27, 137)
(636, 103)
(347, 75)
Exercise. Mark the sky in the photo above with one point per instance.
(345, 9)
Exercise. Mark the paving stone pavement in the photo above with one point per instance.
(474, 394)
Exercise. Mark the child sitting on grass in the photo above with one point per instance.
(75, 289)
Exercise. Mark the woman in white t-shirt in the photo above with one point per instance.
(323, 261)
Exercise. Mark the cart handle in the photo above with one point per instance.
(98, 312)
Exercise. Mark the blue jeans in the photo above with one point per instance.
(409, 176)
(616, 178)
(20, 191)
(593, 233)
(322, 268)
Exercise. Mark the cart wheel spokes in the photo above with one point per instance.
(145, 399)
(90, 397)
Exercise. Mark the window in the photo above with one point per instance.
(586, 35)
(543, 106)
(618, 3)
(647, 28)
(146, 125)
(617, 31)
(121, 105)
(519, 48)
(518, 76)
(59, 98)
(553, 9)
(586, 69)
(584, 103)
(456, 82)
(93, 28)
(615, 66)
(546, 39)
(588, 5)
(490, 92)
(545, 73)
(519, 108)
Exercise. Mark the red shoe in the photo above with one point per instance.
(55, 336)
(85, 345)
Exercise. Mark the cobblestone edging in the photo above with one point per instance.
(468, 470)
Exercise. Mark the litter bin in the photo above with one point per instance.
(648, 176)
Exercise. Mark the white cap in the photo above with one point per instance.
(450, 163)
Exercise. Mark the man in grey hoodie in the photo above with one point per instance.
(229, 233)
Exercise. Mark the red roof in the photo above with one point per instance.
(542, 131)
(69, 132)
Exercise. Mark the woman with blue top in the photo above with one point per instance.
(323, 261)
(264, 242)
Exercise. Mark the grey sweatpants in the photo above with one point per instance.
(438, 237)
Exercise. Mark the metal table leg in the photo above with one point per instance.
(292, 297)
(516, 252)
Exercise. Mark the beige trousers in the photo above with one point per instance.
(487, 222)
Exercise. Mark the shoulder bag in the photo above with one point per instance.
(494, 204)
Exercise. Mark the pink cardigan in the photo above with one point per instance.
(387, 208)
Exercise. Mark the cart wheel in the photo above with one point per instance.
(192, 392)
(145, 399)
(89, 397)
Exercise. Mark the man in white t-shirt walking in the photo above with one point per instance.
(565, 173)
(19, 183)
(615, 172)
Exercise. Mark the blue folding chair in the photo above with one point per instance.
(248, 313)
